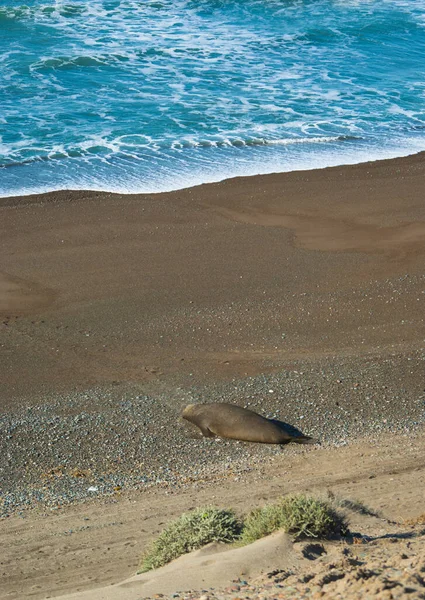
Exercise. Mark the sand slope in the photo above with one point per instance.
(214, 565)
(201, 283)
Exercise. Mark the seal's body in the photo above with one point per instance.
(237, 423)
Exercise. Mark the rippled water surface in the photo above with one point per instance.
(129, 95)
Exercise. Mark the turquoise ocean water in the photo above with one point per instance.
(127, 95)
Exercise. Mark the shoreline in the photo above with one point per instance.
(361, 160)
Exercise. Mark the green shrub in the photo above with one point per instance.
(189, 532)
(299, 515)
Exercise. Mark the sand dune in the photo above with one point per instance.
(215, 565)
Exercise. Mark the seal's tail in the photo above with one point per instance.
(304, 439)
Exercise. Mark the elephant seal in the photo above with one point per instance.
(237, 423)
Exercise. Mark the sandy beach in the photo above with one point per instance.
(299, 295)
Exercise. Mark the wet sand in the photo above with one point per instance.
(221, 280)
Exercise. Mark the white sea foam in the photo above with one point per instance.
(127, 89)
(162, 177)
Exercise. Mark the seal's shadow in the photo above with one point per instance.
(287, 428)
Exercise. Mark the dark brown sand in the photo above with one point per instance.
(222, 280)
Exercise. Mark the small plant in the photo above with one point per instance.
(299, 515)
(189, 532)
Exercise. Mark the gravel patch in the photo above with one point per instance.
(81, 445)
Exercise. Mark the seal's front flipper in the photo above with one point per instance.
(206, 432)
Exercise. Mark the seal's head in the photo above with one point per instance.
(188, 410)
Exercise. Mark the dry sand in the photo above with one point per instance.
(213, 565)
(300, 295)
